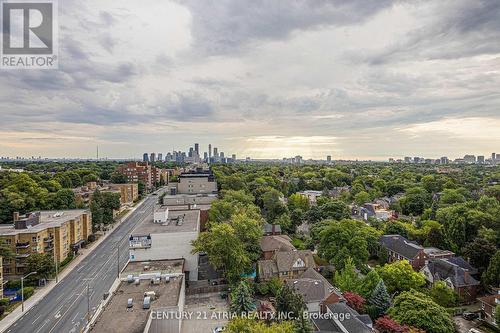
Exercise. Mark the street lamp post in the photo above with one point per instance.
(22, 289)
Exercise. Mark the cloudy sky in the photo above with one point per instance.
(352, 79)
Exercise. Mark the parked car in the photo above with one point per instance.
(470, 315)
(473, 330)
(219, 329)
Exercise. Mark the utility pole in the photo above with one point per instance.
(88, 301)
(118, 260)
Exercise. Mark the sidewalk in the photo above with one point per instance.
(40, 293)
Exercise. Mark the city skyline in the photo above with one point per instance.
(351, 81)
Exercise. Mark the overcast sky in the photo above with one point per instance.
(352, 79)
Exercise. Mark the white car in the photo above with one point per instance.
(473, 330)
(219, 329)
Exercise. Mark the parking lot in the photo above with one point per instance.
(205, 312)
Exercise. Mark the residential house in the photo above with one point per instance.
(316, 290)
(275, 243)
(456, 273)
(376, 211)
(341, 318)
(489, 307)
(286, 265)
(311, 195)
(400, 248)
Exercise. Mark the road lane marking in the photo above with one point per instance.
(35, 320)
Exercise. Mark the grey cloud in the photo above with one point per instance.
(464, 29)
(225, 26)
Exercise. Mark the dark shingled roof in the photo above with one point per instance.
(276, 243)
(313, 286)
(355, 324)
(401, 245)
(443, 269)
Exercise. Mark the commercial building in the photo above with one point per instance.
(55, 232)
(169, 239)
(162, 282)
(197, 182)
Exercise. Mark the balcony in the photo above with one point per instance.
(23, 245)
(48, 248)
(48, 239)
(20, 264)
(22, 255)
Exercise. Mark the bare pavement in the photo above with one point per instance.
(64, 308)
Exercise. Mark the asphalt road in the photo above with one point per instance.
(64, 308)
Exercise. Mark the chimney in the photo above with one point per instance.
(16, 216)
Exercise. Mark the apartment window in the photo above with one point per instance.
(6, 270)
(33, 239)
(8, 241)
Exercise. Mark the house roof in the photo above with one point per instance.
(443, 269)
(313, 286)
(276, 243)
(285, 261)
(463, 264)
(490, 299)
(267, 268)
(401, 245)
(354, 323)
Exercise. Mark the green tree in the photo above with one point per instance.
(479, 252)
(443, 295)
(334, 209)
(368, 284)
(497, 314)
(419, 310)
(348, 278)
(399, 276)
(492, 275)
(298, 201)
(347, 238)
(415, 201)
(64, 199)
(224, 250)
(118, 178)
(362, 197)
(290, 302)
(241, 299)
(246, 325)
(6, 250)
(42, 263)
(273, 204)
(380, 299)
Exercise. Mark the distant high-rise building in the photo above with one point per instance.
(160, 157)
(205, 156)
(152, 157)
(145, 157)
(416, 159)
(197, 148)
(480, 159)
(221, 154)
(328, 158)
(444, 160)
(493, 156)
(191, 151)
(233, 157)
(407, 159)
(209, 150)
(216, 152)
(470, 159)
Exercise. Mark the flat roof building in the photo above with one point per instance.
(168, 240)
(163, 281)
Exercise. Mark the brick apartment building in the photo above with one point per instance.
(143, 171)
(55, 232)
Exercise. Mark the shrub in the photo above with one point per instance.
(4, 301)
(355, 301)
(28, 292)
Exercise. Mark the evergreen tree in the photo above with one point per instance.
(288, 301)
(241, 299)
(380, 299)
